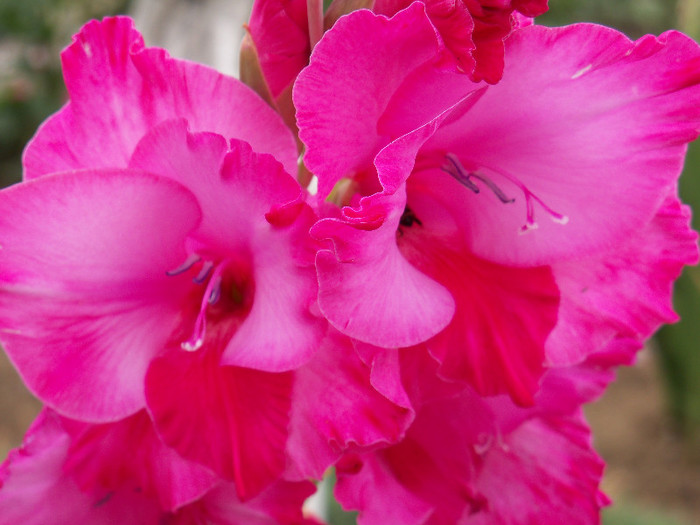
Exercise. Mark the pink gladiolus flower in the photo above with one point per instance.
(471, 460)
(133, 287)
(174, 272)
(72, 472)
(507, 227)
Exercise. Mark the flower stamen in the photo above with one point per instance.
(454, 167)
(189, 263)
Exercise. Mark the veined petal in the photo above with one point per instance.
(460, 474)
(586, 131)
(353, 73)
(368, 274)
(35, 491)
(625, 292)
(557, 450)
(86, 302)
(119, 90)
(230, 419)
(503, 314)
(350, 415)
(280, 31)
(254, 215)
(280, 504)
(128, 455)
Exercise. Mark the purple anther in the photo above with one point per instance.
(203, 273)
(454, 167)
(189, 263)
(215, 293)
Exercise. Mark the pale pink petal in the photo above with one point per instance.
(34, 490)
(367, 289)
(128, 455)
(349, 414)
(118, 90)
(624, 292)
(586, 127)
(353, 73)
(254, 216)
(86, 302)
(233, 420)
(280, 31)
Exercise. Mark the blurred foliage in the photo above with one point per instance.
(32, 33)
(633, 17)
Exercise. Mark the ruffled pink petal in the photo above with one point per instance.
(280, 504)
(34, 489)
(432, 469)
(350, 414)
(587, 129)
(366, 483)
(473, 30)
(119, 90)
(253, 215)
(232, 420)
(352, 76)
(86, 302)
(461, 456)
(512, 478)
(625, 292)
(496, 339)
(368, 275)
(128, 455)
(280, 31)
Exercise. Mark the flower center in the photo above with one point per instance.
(210, 275)
(467, 178)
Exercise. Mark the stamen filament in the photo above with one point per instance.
(203, 273)
(454, 167)
(189, 263)
(464, 177)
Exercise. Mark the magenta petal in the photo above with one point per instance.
(119, 90)
(280, 504)
(557, 450)
(504, 314)
(367, 289)
(592, 125)
(625, 292)
(233, 420)
(254, 216)
(34, 489)
(353, 74)
(350, 414)
(128, 455)
(488, 463)
(280, 31)
(366, 483)
(86, 302)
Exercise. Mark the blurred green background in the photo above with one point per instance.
(32, 32)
